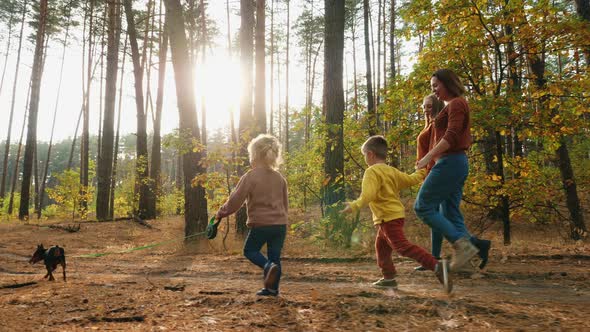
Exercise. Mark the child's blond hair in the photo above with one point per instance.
(266, 150)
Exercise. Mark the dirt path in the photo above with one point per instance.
(172, 288)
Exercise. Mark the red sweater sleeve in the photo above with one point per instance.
(457, 123)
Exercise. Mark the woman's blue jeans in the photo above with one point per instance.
(274, 238)
(439, 198)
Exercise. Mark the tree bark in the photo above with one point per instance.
(141, 166)
(155, 169)
(47, 160)
(105, 158)
(287, 78)
(195, 203)
(370, 98)
(333, 100)
(246, 61)
(260, 99)
(84, 142)
(116, 152)
(30, 147)
(272, 65)
(18, 153)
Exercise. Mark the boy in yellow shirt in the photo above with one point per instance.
(380, 190)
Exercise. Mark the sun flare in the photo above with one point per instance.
(218, 82)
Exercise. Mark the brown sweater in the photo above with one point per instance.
(453, 124)
(265, 192)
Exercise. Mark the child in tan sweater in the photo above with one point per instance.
(264, 190)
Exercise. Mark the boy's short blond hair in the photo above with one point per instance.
(376, 144)
(265, 150)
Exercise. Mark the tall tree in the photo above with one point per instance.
(116, 152)
(287, 77)
(371, 116)
(333, 100)
(105, 157)
(260, 100)
(85, 140)
(36, 74)
(141, 168)
(392, 71)
(272, 65)
(246, 62)
(12, 103)
(195, 203)
(68, 14)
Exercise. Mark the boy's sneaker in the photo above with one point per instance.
(442, 272)
(267, 292)
(422, 268)
(272, 276)
(463, 252)
(385, 283)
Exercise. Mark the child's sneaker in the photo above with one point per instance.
(463, 252)
(267, 292)
(385, 283)
(443, 275)
(272, 276)
(422, 268)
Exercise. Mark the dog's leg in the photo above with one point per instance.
(63, 268)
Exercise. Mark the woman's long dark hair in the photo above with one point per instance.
(451, 81)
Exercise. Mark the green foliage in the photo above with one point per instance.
(68, 192)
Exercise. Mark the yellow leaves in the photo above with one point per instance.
(556, 119)
(496, 178)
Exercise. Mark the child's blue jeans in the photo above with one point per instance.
(439, 198)
(274, 238)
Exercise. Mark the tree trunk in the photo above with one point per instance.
(370, 98)
(105, 158)
(14, 85)
(156, 166)
(577, 226)
(47, 160)
(195, 203)
(333, 100)
(392, 73)
(204, 79)
(84, 142)
(260, 99)
(116, 152)
(287, 79)
(245, 125)
(18, 153)
(101, 90)
(141, 162)
(36, 74)
(272, 65)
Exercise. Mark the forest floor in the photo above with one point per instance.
(529, 285)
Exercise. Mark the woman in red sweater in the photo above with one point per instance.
(439, 198)
(432, 106)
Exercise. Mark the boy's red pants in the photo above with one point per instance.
(390, 236)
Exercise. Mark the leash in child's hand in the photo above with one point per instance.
(212, 228)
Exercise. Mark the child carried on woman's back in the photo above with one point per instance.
(380, 190)
(264, 190)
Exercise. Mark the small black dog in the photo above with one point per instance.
(52, 256)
